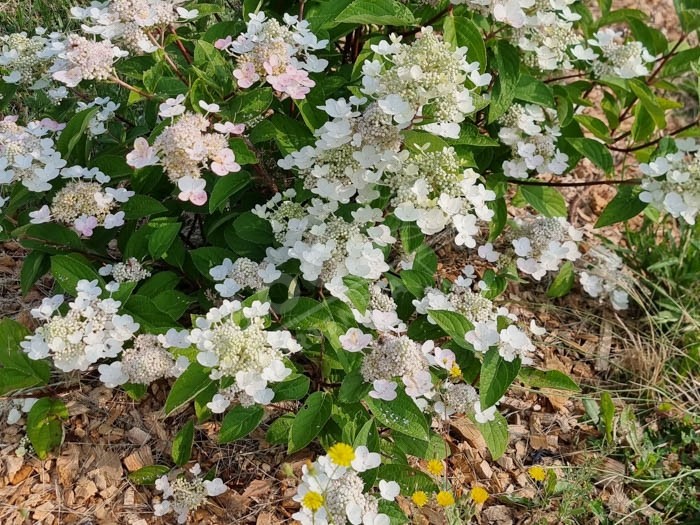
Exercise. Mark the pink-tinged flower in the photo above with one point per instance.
(192, 190)
(142, 155)
(223, 43)
(229, 128)
(172, 107)
(224, 162)
(295, 82)
(246, 76)
(209, 108)
(85, 224)
(51, 124)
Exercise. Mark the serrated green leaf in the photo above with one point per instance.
(623, 206)
(495, 435)
(380, 12)
(45, 425)
(545, 199)
(310, 420)
(497, 375)
(401, 414)
(594, 151)
(186, 387)
(239, 422)
(454, 324)
(181, 450)
(17, 370)
(547, 379)
(71, 268)
(562, 283)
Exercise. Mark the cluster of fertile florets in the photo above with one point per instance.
(351, 153)
(434, 191)
(27, 155)
(89, 331)
(332, 493)
(532, 132)
(147, 360)
(279, 53)
(129, 271)
(233, 342)
(241, 274)
(541, 244)
(604, 277)
(610, 55)
(185, 148)
(84, 204)
(84, 59)
(425, 72)
(186, 493)
(671, 182)
(131, 21)
(27, 59)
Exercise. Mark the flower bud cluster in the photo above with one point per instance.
(243, 274)
(671, 182)
(129, 271)
(186, 493)
(532, 132)
(89, 331)
(279, 53)
(233, 342)
(27, 59)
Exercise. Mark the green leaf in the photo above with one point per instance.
(162, 237)
(562, 283)
(182, 444)
(462, 32)
(607, 415)
(253, 229)
(18, 370)
(35, 265)
(623, 206)
(497, 375)
(310, 420)
(380, 12)
(45, 425)
(209, 256)
(545, 199)
(171, 302)
(495, 434)
(140, 206)
(186, 387)
(74, 131)
(353, 388)
(226, 187)
(239, 422)
(294, 387)
(547, 379)
(454, 324)
(71, 268)
(50, 234)
(435, 448)
(148, 475)
(594, 151)
(304, 313)
(648, 100)
(507, 67)
(278, 432)
(401, 414)
(530, 89)
(357, 292)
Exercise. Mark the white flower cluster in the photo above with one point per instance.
(27, 155)
(186, 147)
(326, 245)
(83, 203)
(84, 59)
(27, 59)
(351, 153)
(547, 34)
(233, 342)
(280, 54)
(243, 274)
(332, 493)
(532, 132)
(480, 311)
(615, 57)
(519, 13)
(107, 109)
(147, 360)
(423, 80)
(604, 277)
(671, 183)
(541, 244)
(182, 495)
(130, 271)
(131, 21)
(90, 330)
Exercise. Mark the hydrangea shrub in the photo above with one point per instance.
(246, 205)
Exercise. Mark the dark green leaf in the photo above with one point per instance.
(546, 200)
(239, 422)
(624, 206)
(562, 283)
(186, 387)
(547, 379)
(497, 374)
(401, 414)
(182, 444)
(45, 425)
(310, 420)
(18, 370)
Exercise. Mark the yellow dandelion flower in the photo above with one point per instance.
(537, 473)
(479, 495)
(420, 498)
(436, 467)
(341, 454)
(455, 371)
(445, 499)
(312, 501)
